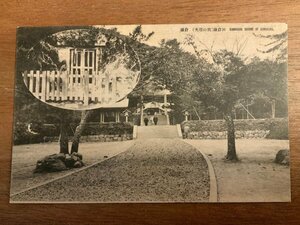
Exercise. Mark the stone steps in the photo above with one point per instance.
(165, 131)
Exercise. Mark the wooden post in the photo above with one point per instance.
(31, 81)
(82, 77)
(37, 84)
(52, 75)
(48, 83)
(44, 84)
(57, 85)
(142, 111)
(76, 90)
(93, 86)
(71, 77)
(85, 83)
(64, 85)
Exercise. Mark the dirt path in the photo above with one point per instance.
(25, 157)
(256, 178)
(151, 170)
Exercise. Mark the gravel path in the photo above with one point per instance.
(150, 170)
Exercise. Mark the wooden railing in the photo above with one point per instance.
(55, 86)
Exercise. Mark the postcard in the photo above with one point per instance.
(151, 113)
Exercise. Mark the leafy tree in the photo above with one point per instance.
(222, 85)
(170, 67)
(268, 83)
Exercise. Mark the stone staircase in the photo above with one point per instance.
(165, 131)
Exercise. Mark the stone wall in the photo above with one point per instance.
(223, 134)
(216, 129)
(96, 138)
(106, 138)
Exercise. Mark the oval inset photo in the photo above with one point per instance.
(83, 69)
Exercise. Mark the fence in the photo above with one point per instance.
(55, 86)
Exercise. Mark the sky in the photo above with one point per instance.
(206, 36)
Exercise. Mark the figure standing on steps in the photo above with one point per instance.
(155, 119)
(146, 120)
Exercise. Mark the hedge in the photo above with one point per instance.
(49, 131)
(278, 127)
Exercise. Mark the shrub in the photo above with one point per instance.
(23, 136)
(278, 127)
(279, 130)
(108, 128)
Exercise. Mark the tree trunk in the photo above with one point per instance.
(231, 150)
(273, 108)
(63, 137)
(79, 129)
(142, 111)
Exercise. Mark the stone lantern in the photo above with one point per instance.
(126, 114)
(186, 114)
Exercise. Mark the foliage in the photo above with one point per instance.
(222, 84)
(279, 131)
(240, 125)
(43, 132)
(167, 67)
(267, 79)
(108, 129)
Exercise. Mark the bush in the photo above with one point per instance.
(278, 127)
(23, 136)
(279, 131)
(108, 128)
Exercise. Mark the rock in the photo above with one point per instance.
(51, 163)
(59, 162)
(78, 155)
(69, 161)
(58, 165)
(61, 156)
(78, 164)
(283, 157)
(74, 158)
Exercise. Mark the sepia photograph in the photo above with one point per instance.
(151, 113)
